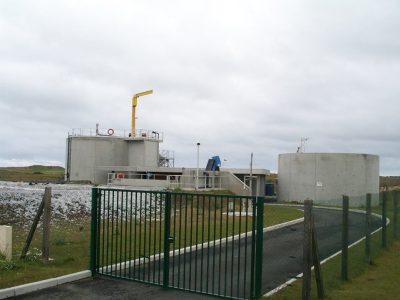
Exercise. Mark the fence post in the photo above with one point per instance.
(33, 228)
(167, 225)
(307, 240)
(395, 209)
(93, 231)
(46, 224)
(345, 237)
(384, 210)
(317, 263)
(259, 246)
(368, 229)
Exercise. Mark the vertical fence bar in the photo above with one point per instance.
(220, 246)
(103, 228)
(253, 246)
(112, 234)
(345, 237)
(108, 231)
(239, 257)
(140, 232)
(180, 239)
(368, 230)
(160, 236)
(121, 232)
(202, 242)
(197, 242)
(226, 246)
(395, 210)
(135, 242)
(384, 212)
(157, 196)
(130, 234)
(209, 239)
(185, 241)
(93, 231)
(175, 235)
(307, 240)
(245, 203)
(259, 246)
(145, 235)
(232, 245)
(215, 239)
(191, 240)
(167, 224)
(152, 196)
(99, 236)
(116, 235)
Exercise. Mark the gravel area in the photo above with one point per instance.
(19, 201)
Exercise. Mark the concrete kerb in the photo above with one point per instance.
(39, 285)
(290, 281)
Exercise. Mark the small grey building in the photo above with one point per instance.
(117, 159)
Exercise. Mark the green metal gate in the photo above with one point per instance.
(209, 244)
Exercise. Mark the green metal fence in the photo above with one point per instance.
(210, 244)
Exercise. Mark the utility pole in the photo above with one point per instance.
(197, 169)
(251, 174)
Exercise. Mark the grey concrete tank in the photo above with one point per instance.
(325, 177)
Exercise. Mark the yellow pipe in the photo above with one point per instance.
(134, 104)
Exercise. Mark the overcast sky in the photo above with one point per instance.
(236, 76)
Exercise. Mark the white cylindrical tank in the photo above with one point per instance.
(326, 177)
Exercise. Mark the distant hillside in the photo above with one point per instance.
(390, 182)
(36, 173)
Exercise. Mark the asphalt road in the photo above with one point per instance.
(227, 270)
(283, 254)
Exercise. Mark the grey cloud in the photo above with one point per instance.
(239, 77)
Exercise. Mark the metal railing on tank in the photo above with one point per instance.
(173, 181)
(112, 132)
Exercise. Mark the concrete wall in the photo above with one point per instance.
(325, 177)
(234, 184)
(86, 153)
(143, 153)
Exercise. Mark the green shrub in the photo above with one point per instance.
(6, 265)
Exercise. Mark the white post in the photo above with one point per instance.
(6, 241)
(197, 170)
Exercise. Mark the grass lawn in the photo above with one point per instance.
(366, 281)
(69, 249)
(32, 173)
(377, 281)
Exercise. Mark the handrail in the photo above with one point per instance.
(174, 181)
(125, 133)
